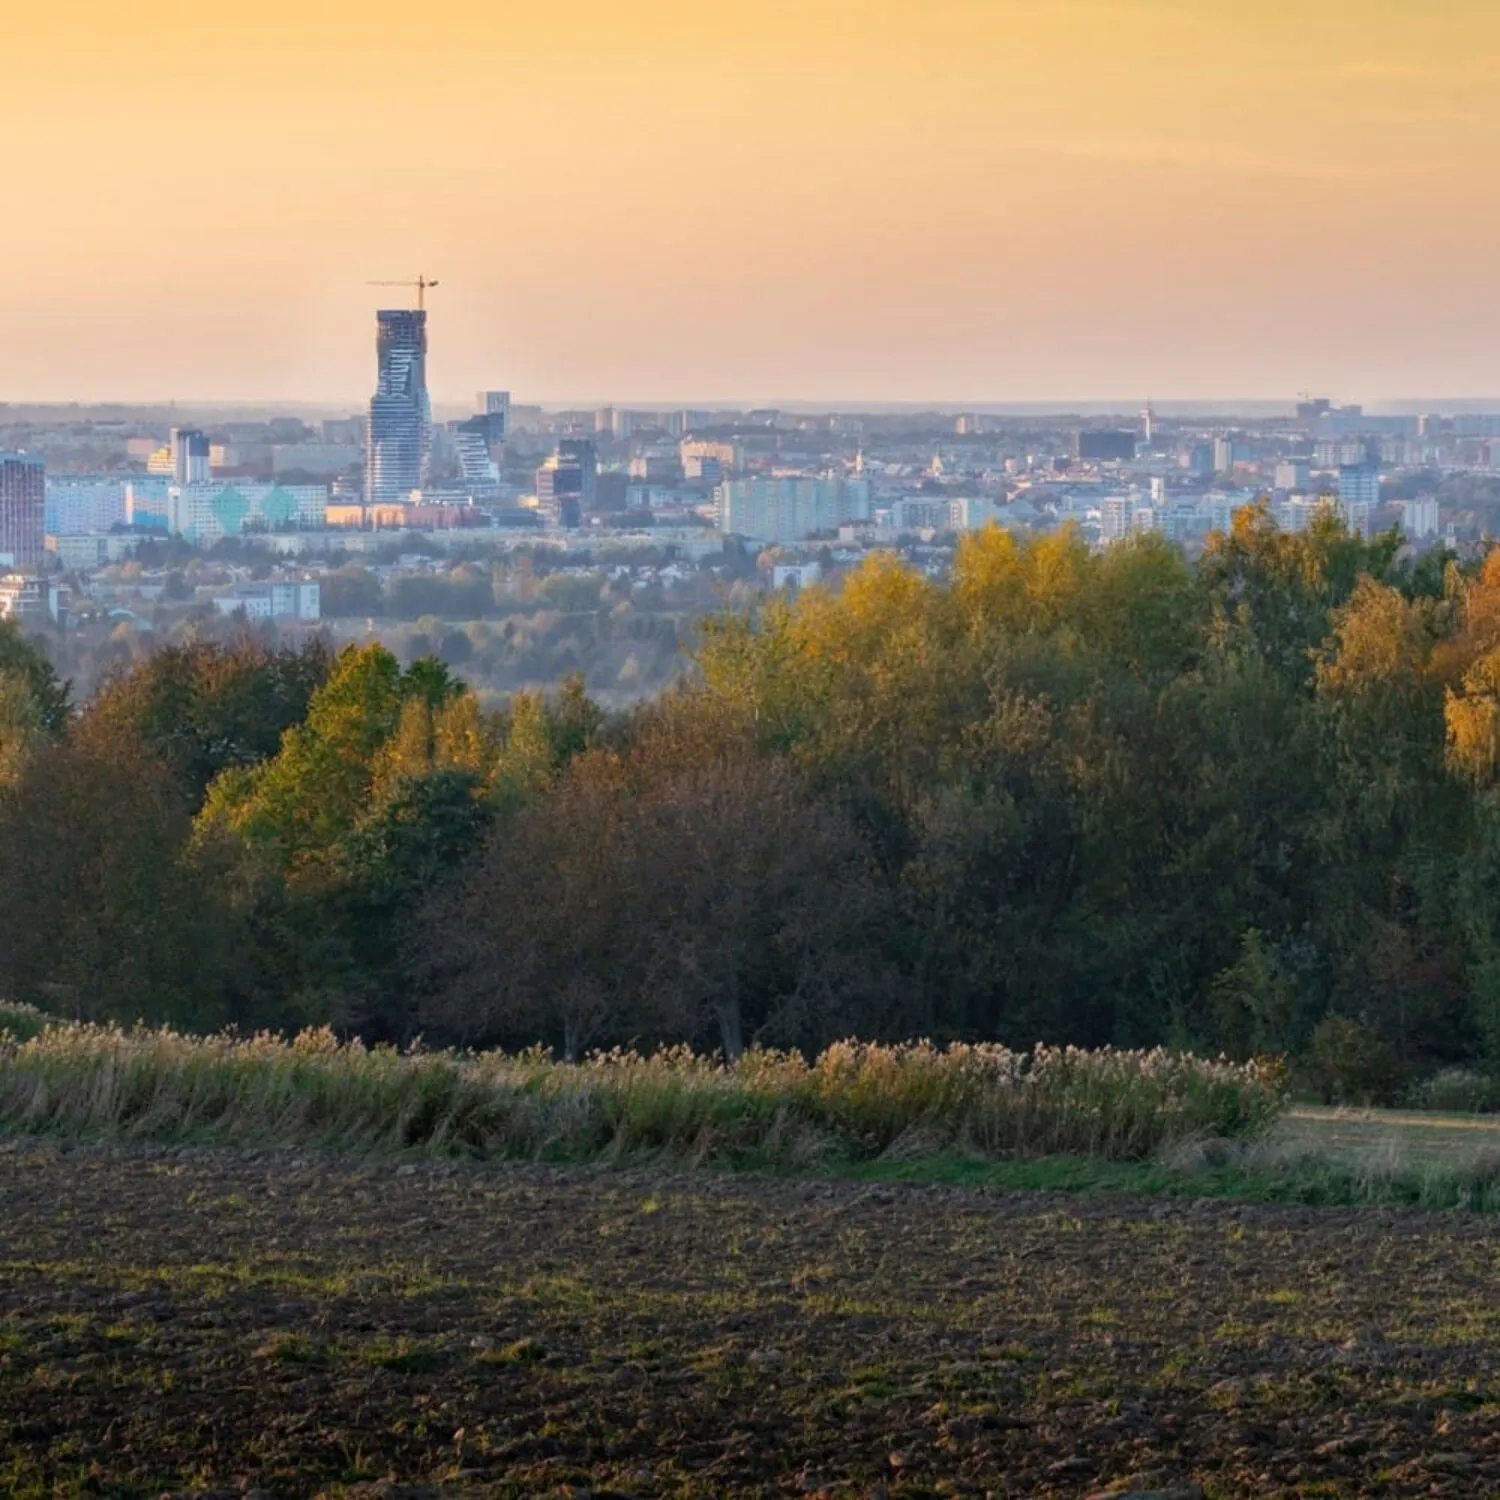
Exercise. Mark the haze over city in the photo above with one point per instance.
(830, 202)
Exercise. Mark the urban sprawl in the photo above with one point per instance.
(98, 506)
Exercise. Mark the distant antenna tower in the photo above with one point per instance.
(421, 284)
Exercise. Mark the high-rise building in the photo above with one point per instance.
(496, 406)
(23, 510)
(1359, 484)
(472, 442)
(566, 484)
(190, 455)
(399, 435)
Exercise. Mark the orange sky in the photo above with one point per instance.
(947, 200)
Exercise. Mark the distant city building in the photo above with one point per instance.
(932, 513)
(349, 431)
(795, 575)
(83, 553)
(1295, 515)
(657, 463)
(1106, 446)
(399, 435)
(23, 510)
(190, 455)
(76, 507)
(1116, 514)
(146, 504)
(1358, 517)
(291, 599)
(476, 465)
(788, 508)
(1335, 453)
(1197, 458)
(496, 406)
(566, 484)
(1359, 484)
(1225, 455)
(312, 458)
(159, 461)
(478, 439)
(26, 597)
(1292, 475)
(1419, 518)
(206, 512)
(696, 453)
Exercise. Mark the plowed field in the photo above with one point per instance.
(198, 1322)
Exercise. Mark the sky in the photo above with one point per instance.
(820, 200)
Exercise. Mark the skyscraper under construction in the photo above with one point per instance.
(399, 436)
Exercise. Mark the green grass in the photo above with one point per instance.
(1312, 1156)
(1411, 1136)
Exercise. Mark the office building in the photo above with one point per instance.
(190, 455)
(474, 450)
(1106, 447)
(1359, 484)
(399, 432)
(23, 510)
(566, 485)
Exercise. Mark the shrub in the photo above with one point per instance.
(22, 1022)
(1458, 1091)
(1348, 1063)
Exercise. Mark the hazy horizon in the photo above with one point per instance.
(987, 200)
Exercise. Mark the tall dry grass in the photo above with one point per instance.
(854, 1101)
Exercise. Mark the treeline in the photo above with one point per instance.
(1248, 805)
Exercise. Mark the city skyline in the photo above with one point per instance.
(832, 203)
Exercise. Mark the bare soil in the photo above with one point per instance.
(211, 1322)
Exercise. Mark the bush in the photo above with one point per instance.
(1348, 1063)
(22, 1022)
(1456, 1091)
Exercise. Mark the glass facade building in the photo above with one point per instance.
(23, 510)
(399, 433)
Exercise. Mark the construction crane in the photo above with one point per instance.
(421, 284)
